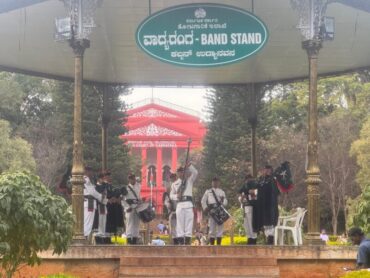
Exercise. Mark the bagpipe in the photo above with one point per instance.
(283, 177)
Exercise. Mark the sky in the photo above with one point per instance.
(192, 98)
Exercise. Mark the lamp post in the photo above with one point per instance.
(79, 47)
(311, 15)
(75, 29)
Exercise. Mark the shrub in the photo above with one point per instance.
(119, 240)
(238, 240)
(357, 274)
(33, 219)
(337, 243)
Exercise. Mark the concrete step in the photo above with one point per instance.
(197, 261)
(194, 271)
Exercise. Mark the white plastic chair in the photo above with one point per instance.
(292, 223)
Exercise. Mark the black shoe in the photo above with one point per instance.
(129, 241)
(175, 241)
(219, 240)
(135, 240)
(211, 241)
(270, 240)
(187, 240)
(252, 241)
(180, 241)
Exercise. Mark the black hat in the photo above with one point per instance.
(215, 179)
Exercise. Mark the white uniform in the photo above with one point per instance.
(90, 192)
(172, 217)
(132, 217)
(184, 209)
(215, 231)
(102, 218)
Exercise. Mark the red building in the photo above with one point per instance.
(158, 131)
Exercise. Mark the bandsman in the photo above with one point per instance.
(130, 202)
(172, 208)
(183, 188)
(91, 197)
(267, 203)
(248, 197)
(213, 198)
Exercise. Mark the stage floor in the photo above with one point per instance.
(113, 261)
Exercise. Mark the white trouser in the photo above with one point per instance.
(102, 223)
(184, 223)
(269, 230)
(214, 229)
(248, 222)
(133, 224)
(172, 219)
(88, 221)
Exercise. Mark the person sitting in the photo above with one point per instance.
(324, 236)
(363, 255)
(161, 227)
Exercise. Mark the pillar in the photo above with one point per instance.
(77, 179)
(159, 168)
(144, 182)
(174, 159)
(312, 48)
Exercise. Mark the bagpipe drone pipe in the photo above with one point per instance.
(283, 177)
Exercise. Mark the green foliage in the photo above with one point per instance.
(227, 143)
(33, 220)
(238, 215)
(361, 205)
(357, 274)
(119, 161)
(15, 153)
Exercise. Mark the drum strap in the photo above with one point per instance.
(133, 192)
(215, 196)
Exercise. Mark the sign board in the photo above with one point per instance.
(202, 35)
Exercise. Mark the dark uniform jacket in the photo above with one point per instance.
(267, 202)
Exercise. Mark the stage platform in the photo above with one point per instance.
(196, 261)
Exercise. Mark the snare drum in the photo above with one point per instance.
(219, 214)
(146, 212)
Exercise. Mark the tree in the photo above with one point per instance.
(92, 109)
(33, 220)
(228, 129)
(15, 153)
(338, 169)
(361, 205)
